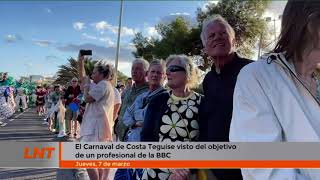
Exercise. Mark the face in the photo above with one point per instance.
(219, 41)
(74, 83)
(4, 76)
(96, 76)
(137, 73)
(176, 75)
(129, 83)
(156, 75)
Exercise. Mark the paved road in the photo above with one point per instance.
(27, 126)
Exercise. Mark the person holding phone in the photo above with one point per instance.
(97, 120)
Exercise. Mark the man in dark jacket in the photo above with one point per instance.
(218, 39)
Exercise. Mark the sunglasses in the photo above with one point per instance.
(175, 68)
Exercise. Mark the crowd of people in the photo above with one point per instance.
(7, 100)
(275, 99)
(13, 97)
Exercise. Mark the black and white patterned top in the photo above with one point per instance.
(179, 123)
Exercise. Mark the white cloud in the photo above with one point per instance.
(276, 7)
(127, 31)
(85, 35)
(100, 52)
(103, 26)
(108, 41)
(78, 26)
(125, 67)
(151, 32)
(48, 10)
(42, 43)
(11, 38)
(204, 6)
(179, 14)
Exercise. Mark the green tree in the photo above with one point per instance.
(144, 47)
(179, 37)
(121, 77)
(246, 19)
(70, 70)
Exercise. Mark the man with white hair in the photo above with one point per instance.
(218, 39)
(139, 71)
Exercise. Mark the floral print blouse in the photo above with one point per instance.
(179, 123)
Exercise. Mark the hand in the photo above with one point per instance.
(71, 96)
(81, 58)
(87, 80)
(179, 174)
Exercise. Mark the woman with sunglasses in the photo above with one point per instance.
(173, 116)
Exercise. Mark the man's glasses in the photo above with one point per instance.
(175, 68)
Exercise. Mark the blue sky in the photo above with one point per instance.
(37, 37)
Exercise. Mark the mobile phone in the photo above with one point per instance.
(84, 52)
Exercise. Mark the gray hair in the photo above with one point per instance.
(215, 18)
(157, 62)
(105, 68)
(144, 63)
(192, 72)
(74, 79)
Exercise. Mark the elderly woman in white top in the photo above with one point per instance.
(98, 116)
(276, 98)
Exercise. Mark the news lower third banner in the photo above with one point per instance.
(159, 155)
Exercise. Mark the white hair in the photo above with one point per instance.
(74, 79)
(192, 72)
(144, 63)
(215, 18)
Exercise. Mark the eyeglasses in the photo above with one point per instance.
(175, 68)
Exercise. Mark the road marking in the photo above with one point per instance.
(4, 124)
(21, 113)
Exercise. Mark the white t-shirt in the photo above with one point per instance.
(117, 97)
(98, 116)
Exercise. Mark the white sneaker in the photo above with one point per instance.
(1, 122)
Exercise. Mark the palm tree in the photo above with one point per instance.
(70, 70)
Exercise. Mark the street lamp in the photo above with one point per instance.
(118, 43)
(269, 19)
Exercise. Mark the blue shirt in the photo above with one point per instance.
(136, 112)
